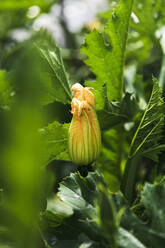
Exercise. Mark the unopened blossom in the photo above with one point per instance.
(84, 131)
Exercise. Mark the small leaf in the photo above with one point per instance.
(128, 106)
(111, 114)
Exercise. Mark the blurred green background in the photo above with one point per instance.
(29, 99)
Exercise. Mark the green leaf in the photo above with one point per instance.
(149, 131)
(112, 114)
(54, 141)
(105, 51)
(109, 119)
(76, 197)
(153, 199)
(81, 193)
(126, 239)
(55, 212)
(115, 113)
(129, 106)
(61, 89)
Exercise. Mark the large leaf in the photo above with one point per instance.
(149, 132)
(54, 141)
(61, 88)
(79, 195)
(105, 51)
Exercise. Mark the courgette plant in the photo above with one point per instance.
(114, 126)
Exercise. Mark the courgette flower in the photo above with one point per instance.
(84, 131)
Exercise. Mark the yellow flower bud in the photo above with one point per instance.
(84, 131)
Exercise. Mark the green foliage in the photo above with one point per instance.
(105, 51)
(116, 219)
(146, 139)
(112, 117)
(149, 132)
(105, 55)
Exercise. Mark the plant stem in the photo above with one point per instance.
(129, 178)
(162, 76)
(120, 150)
